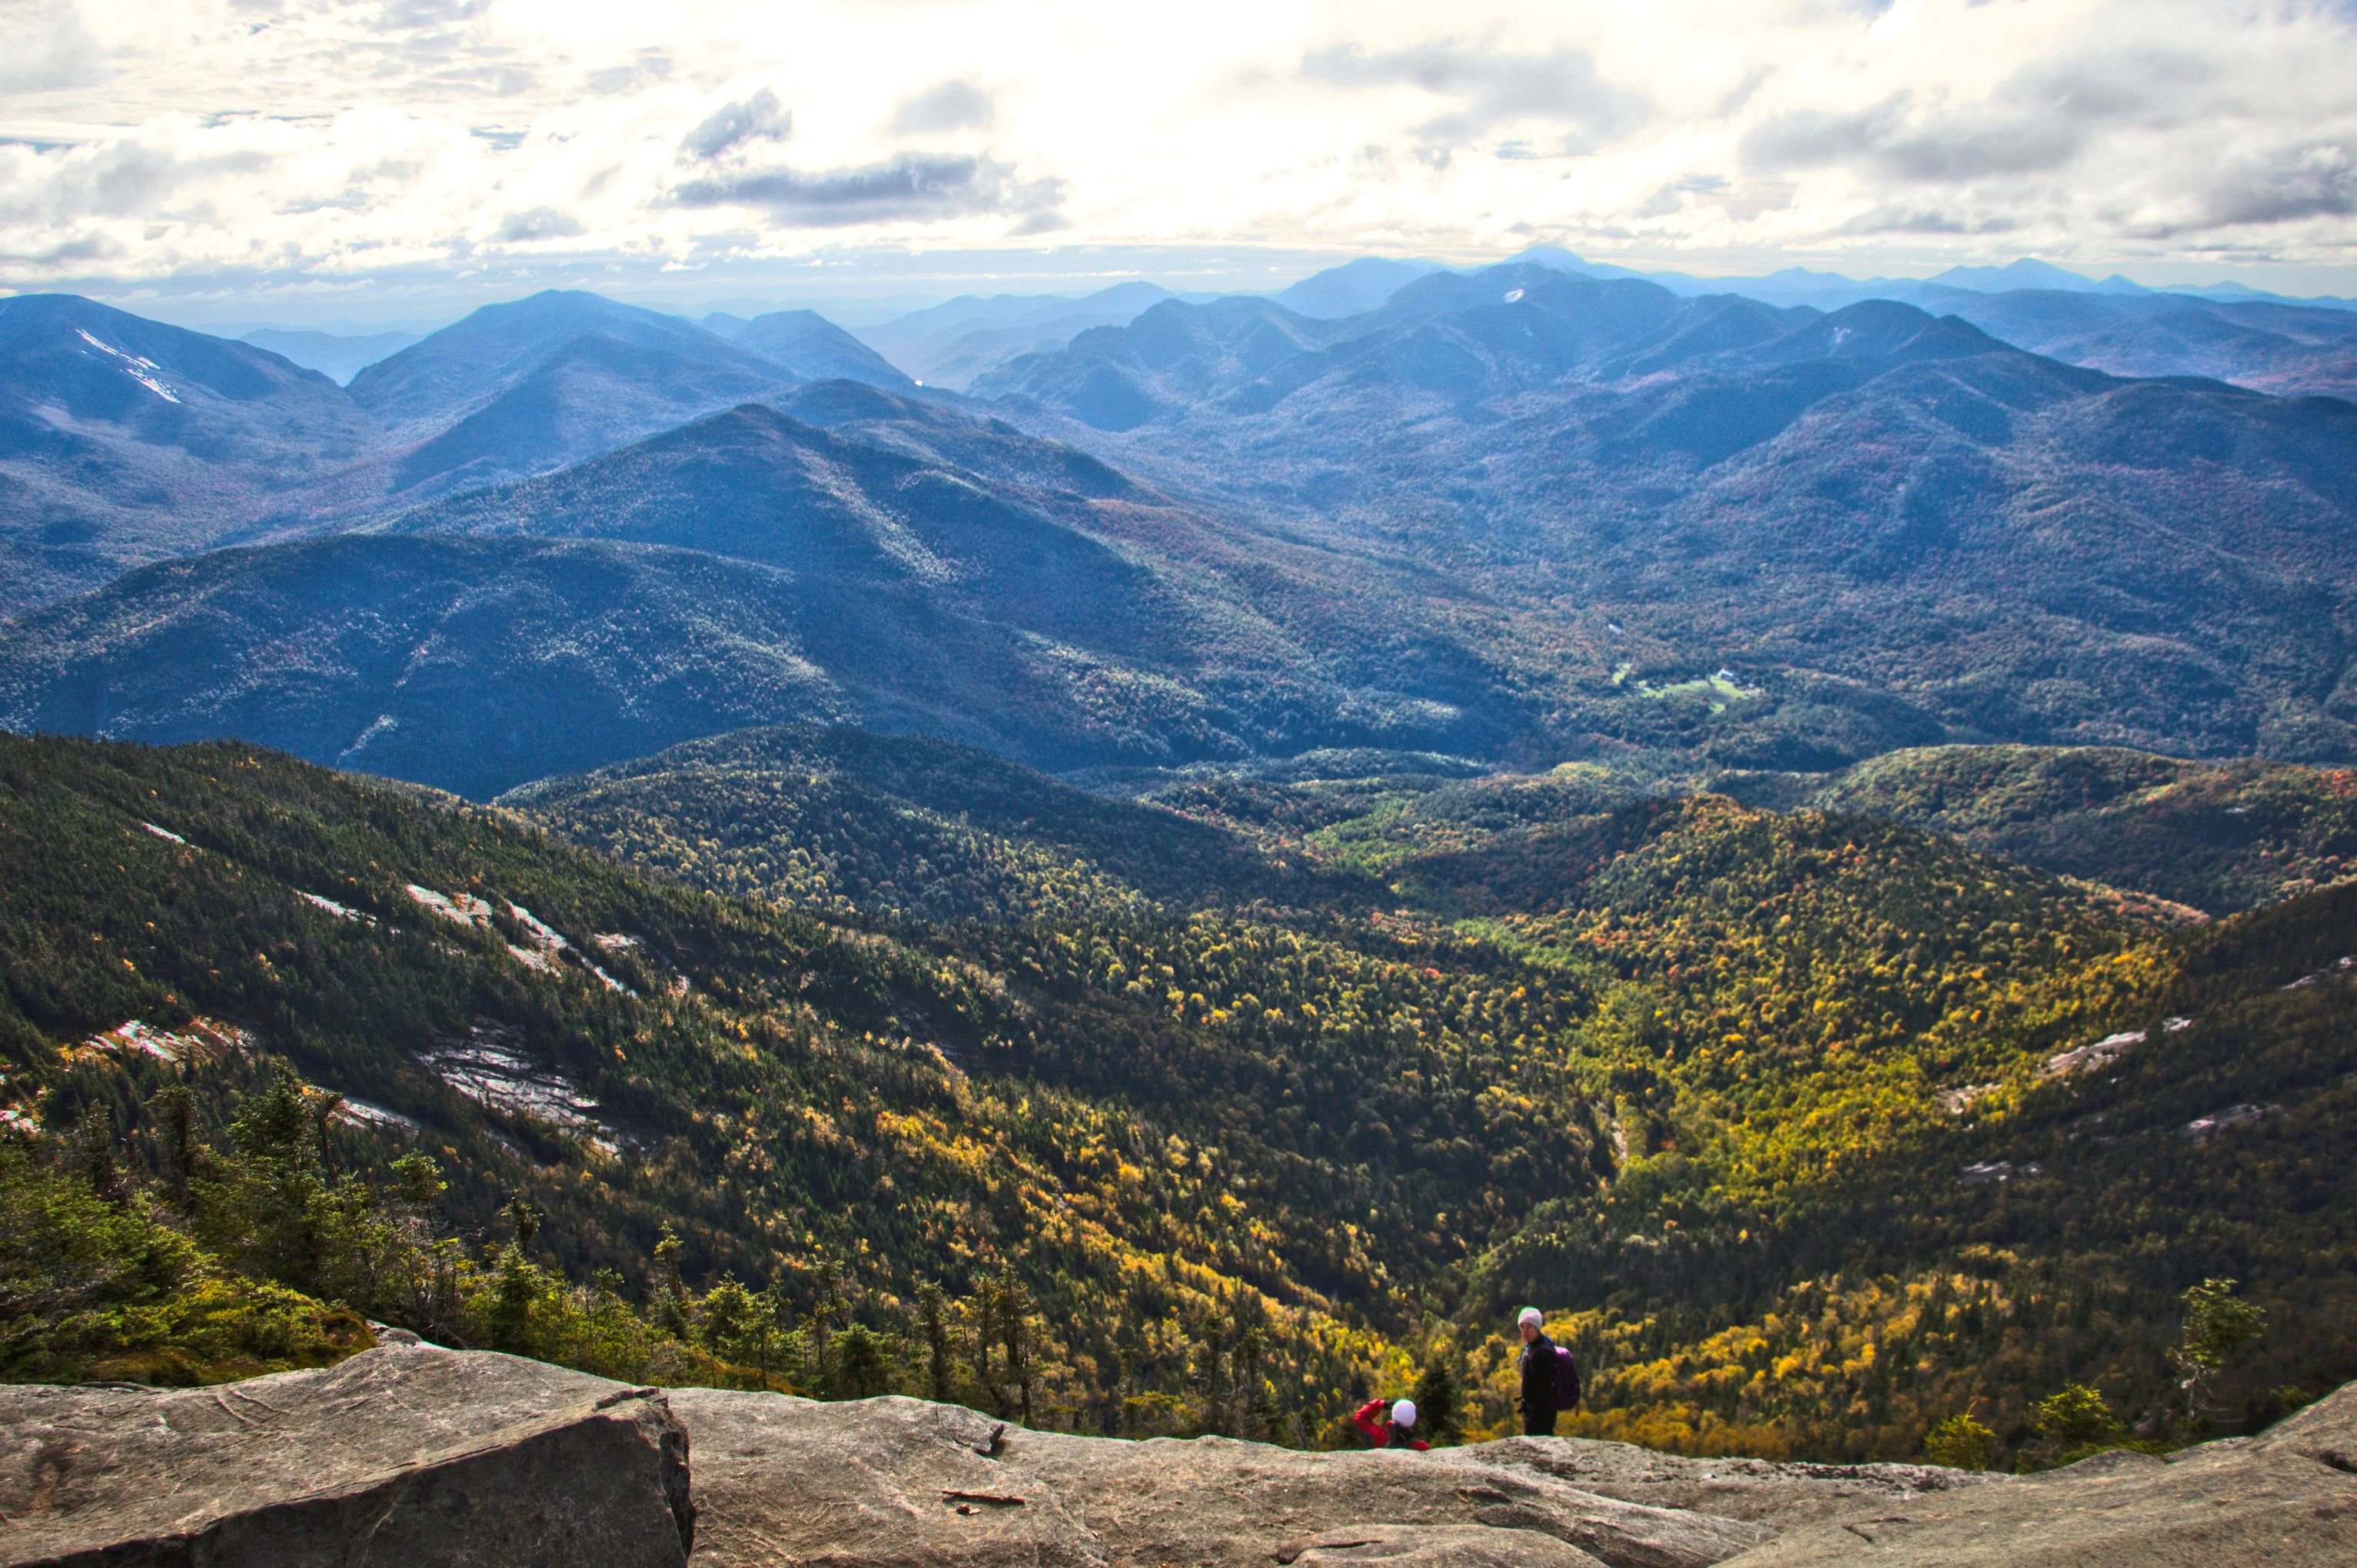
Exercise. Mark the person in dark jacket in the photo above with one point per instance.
(1537, 1364)
(1394, 1428)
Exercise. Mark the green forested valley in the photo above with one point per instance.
(1216, 1104)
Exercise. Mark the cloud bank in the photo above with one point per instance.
(147, 139)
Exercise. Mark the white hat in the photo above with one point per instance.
(1531, 1315)
(1404, 1412)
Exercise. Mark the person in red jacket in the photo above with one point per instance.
(1396, 1430)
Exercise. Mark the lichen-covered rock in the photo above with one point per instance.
(398, 1455)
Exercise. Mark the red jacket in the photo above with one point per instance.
(1374, 1419)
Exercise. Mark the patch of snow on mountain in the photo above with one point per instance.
(2304, 981)
(137, 367)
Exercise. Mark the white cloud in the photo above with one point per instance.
(951, 105)
(44, 48)
(345, 139)
(761, 118)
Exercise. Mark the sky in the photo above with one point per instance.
(357, 162)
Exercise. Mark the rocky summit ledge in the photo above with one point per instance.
(416, 1456)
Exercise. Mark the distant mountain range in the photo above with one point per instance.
(880, 561)
(952, 344)
(1567, 788)
(2269, 342)
(948, 345)
(1800, 286)
(811, 345)
(124, 441)
(1887, 523)
(338, 356)
(1516, 514)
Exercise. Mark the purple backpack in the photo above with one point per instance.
(1566, 1379)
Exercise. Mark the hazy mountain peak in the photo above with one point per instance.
(1554, 256)
(808, 346)
(1353, 287)
(2027, 272)
(338, 356)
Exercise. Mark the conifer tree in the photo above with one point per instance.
(667, 1289)
(174, 1109)
(930, 1311)
(1437, 1398)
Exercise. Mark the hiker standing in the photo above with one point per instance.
(1550, 1379)
(1393, 1429)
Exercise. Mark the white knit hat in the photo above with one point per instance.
(1404, 1412)
(1531, 1315)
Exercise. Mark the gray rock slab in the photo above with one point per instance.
(2222, 1504)
(880, 1482)
(1213, 1502)
(1779, 1494)
(399, 1455)
(893, 1481)
(2325, 1432)
(423, 1456)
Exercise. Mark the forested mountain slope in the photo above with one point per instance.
(1821, 1044)
(2216, 837)
(2220, 836)
(122, 439)
(1721, 1088)
(476, 664)
(827, 1112)
(1887, 528)
(757, 485)
(914, 829)
(891, 565)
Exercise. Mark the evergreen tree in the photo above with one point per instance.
(173, 1108)
(93, 1148)
(932, 1309)
(861, 1366)
(667, 1290)
(1436, 1396)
